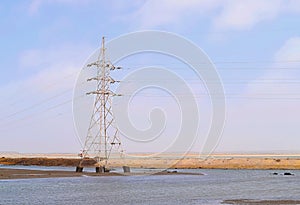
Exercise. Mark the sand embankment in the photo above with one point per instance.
(188, 162)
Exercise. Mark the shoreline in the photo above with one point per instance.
(189, 162)
(10, 173)
(7, 173)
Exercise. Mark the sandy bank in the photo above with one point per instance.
(25, 174)
(189, 162)
(28, 174)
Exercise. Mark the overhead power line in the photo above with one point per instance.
(36, 104)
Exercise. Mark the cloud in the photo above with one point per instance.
(266, 120)
(47, 66)
(44, 72)
(35, 5)
(290, 51)
(226, 14)
(40, 103)
(164, 12)
(245, 14)
(30, 58)
(292, 5)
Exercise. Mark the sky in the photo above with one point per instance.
(254, 44)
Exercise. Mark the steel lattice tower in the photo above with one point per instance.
(103, 136)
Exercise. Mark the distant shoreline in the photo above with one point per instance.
(188, 162)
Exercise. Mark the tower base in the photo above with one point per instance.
(126, 169)
(79, 169)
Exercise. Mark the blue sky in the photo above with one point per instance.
(255, 45)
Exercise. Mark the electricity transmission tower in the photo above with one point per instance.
(102, 136)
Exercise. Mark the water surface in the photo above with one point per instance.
(211, 188)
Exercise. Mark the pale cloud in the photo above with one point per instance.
(48, 65)
(59, 54)
(266, 120)
(245, 14)
(292, 6)
(41, 103)
(290, 51)
(52, 64)
(223, 15)
(35, 5)
(226, 14)
(156, 13)
(30, 58)
(288, 56)
(262, 126)
(49, 72)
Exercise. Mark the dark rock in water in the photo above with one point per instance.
(170, 172)
(285, 173)
(288, 174)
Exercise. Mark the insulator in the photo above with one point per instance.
(113, 68)
(114, 81)
(100, 93)
(91, 64)
(92, 79)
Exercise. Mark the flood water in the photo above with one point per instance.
(212, 188)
